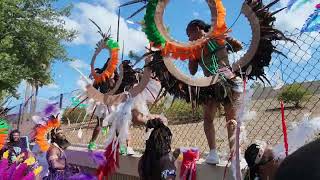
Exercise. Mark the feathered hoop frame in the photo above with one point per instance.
(41, 131)
(257, 56)
(159, 36)
(113, 47)
(116, 99)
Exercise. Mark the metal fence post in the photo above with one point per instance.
(19, 117)
(60, 103)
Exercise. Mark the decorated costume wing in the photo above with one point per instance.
(313, 22)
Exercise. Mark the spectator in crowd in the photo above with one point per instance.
(261, 162)
(17, 152)
(157, 161)
(56, 158)
(301, 164)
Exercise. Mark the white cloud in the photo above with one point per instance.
(289, 20)
(79, 64)
(111, 5)
(195, 14)
(134, 39)
(299, 52)
(52, 86)
(233, 57)
(295, 19)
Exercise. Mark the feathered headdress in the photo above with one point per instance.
(44, 124)
(4, 128)
(41, 131)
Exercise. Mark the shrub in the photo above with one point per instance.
(294, 94)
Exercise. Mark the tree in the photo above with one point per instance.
(31, 37)
(294, 94)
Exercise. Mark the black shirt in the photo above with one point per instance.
(167, 169)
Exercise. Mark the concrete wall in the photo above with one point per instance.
(129, 166)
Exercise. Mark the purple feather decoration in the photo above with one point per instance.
(3, 165)
(98, 158)
(82, 176)
(18, 173)
(51, 109)
(12, 169)
(313, 22)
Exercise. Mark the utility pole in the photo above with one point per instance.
(33, 108)
(26, 107)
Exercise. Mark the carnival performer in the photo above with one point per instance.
(139, 105)
(17, 153)
(197, 29)
(157, 161)
(103, 87)
(57, 160)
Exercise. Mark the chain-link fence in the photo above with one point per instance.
(294, 75)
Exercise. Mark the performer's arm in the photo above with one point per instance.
(233, 44)
(193, 67)
(140, 119)
(137, 117)
(54, 160)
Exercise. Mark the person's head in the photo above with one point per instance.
(58, 137)
(157, 145)
(14, 136)
(303, 163)
(260, 159)
(197, 29)
(98, 70)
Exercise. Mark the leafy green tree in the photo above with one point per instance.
(294, 94)
(76, 116)
(32, 33)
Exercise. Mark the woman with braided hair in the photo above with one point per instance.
(157, 161)
(227, 92)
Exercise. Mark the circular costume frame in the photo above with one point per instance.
(260, 20)
(254, 61)
(221, 54)
(113, 48)
(110, 98)
(159, 37)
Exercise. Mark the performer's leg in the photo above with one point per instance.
(95, 134)
(209, 112)
(230, 109)
(210, 109)
(130, 150)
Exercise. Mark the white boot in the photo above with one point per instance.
(130, 151)
(212, 157)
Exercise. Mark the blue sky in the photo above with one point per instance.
(177, 16)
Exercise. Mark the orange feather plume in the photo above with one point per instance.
(41, 132)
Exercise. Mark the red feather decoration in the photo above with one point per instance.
(112, 161)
